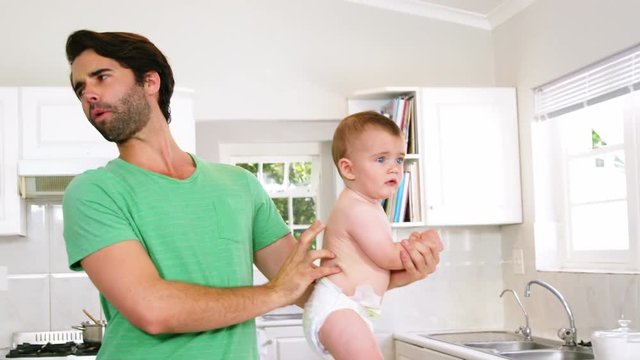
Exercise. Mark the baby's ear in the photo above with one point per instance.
(344, 165)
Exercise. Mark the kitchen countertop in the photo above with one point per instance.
(279, 320)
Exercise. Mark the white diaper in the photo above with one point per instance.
(327, 298)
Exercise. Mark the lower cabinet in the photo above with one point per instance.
(405, 351)
(284, 343)
(288, 343)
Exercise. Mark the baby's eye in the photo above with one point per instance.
(380, 159)
(399, 161)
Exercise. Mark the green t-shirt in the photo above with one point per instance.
(201, 230)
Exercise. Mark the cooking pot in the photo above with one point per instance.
(91, 332)
(617, 344)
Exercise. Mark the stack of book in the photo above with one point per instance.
(404, 205)
(402, 111)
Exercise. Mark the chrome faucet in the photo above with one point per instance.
(524, 330)
(569, 335)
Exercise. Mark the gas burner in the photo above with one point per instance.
(27, 350)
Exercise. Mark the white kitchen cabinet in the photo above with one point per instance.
(471, 161)
(468, 153)
(12, 213)
(284, 343)
(405, 351)
(289, 343)
(55, 127)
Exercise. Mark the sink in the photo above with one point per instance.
(461, 338)
(505, 346)
(548, 354)
(513, 346)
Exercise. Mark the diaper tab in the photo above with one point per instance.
(368, 299)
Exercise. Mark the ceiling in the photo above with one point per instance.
(483, 14)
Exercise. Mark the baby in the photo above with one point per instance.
(368, 150)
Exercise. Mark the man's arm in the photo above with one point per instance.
(127, 277)
(281, 263)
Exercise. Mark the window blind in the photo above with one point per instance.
(611, 77)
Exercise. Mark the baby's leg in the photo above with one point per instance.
(348, 337)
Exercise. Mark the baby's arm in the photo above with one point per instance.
(370, 229)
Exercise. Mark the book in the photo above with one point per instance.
(404, 196)
(401, 199)
(414, 193)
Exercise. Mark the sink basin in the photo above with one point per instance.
(505, 346)
(548, 354)
(475, 337)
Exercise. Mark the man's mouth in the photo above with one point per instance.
(98, 114)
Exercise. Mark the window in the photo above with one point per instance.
(288, 183)
(586, 160)
(289, 174)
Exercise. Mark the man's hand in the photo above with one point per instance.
(420, 257)
(298, 270)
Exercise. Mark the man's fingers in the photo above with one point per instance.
(308, 235)
(407, 262)
(322, 271)
(320, 254)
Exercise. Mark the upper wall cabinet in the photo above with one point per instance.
(55, 127)
(44, 133)
(467, 150)
(12, 221)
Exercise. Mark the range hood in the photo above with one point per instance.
(49, 178)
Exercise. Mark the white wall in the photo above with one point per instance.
(255, 59)
(549, 39)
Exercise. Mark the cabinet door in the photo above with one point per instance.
(55, 127)
(471, 156)
(284, 343)
(406, 351)
(12, 215)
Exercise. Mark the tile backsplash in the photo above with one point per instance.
(42, 293)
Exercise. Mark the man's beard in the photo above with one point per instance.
(128, 116)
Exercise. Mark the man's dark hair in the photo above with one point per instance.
(131, 51)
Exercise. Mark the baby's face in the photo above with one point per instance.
(377, 159)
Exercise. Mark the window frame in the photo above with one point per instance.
(553, 234)
(281, 153)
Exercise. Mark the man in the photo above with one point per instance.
(168, 239)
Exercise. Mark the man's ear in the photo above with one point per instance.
(151, 82)
(346, 169)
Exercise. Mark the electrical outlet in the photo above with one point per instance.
(518, 261)
(4, 278)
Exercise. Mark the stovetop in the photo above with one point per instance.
(49, 350)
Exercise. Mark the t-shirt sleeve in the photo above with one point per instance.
(92, 219)
(268, 225)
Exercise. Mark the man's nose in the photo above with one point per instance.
(90, 95)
